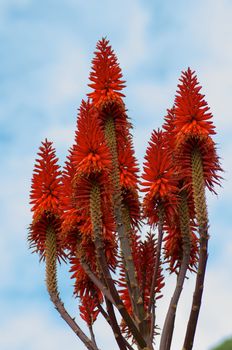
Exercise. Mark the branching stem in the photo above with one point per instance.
(51, 282)
(169, 323)
(202, 220)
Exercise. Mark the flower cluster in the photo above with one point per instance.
(93, 205)
(45, 200)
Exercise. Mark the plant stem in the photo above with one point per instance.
(202, 220)
(95, 210)
(51, 282)
(169, 323)
(123, 233)
(157, 261)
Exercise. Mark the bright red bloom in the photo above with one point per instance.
(88, 309)
(193, 130)
(173, 249)
(128, 172)
(106, 75)
(71, 216)
(144, 257)
(91, 155)
(160, 180)
(128, 166)
(45, 198)
(169, 129)
(46, 182)
(84, 288)
(191, 110)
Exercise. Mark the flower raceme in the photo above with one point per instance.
(106, 80)
(45, 198)
(46, 182)
(106, 75)
(193, 118)
(144, 256)
(193, 130)
(173, 249)
(91, 154)
(159, 179)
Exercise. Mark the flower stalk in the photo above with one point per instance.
(167, 332)
(198, 185)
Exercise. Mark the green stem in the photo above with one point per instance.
(123, 231)
(169, 323)
(52, 287)
(96, 215)
(202, 220)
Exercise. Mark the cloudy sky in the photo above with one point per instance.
(45, 56)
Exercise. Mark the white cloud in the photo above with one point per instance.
(35, 330)
(134, 46)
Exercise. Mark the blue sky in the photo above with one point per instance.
(46, 50)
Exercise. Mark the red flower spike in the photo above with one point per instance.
(169, 129)
(128, 166)
(144, 257)
(91, 155)
(45, 198)
(193, 130)
(88, 309)
(106, 75)
(191, 110)
(160, 182)
(71, 218)
(83, 285)
(173, 249)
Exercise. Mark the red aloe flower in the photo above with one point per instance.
(83, 286)
(128, 166)
(173, 249)
(71, 216)
(88, 309)
(91, 155)
(144, 257)
(45, 198)
(192, 116)
(106, 76)
(193, 130)
(160, 183)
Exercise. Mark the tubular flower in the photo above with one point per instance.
(192, 116)
(106, 75)
(159, 176)
(85, 290)
(169, 129)
(45, 197)
(193, 130)
(71, 216)
(88, 309)
(173, 251)
(144, 257)
(91, 155)
(128, 166)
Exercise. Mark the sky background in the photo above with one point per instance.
(46, 49)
